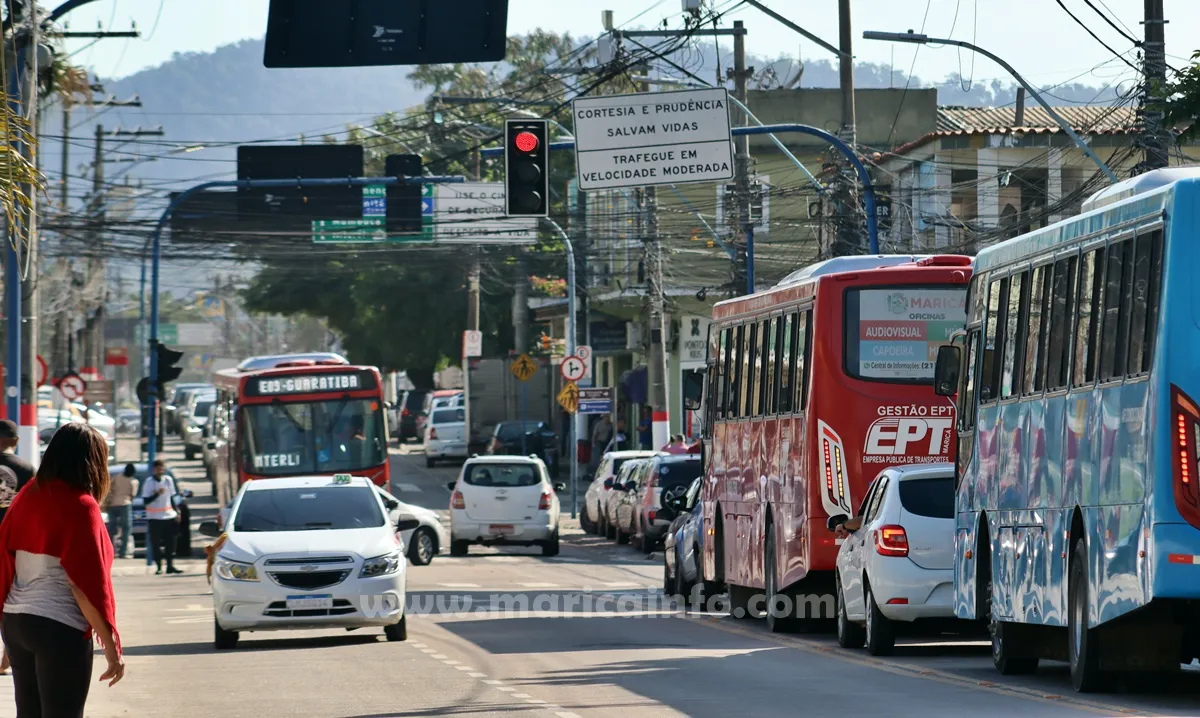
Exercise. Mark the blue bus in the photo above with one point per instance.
(1078, 388)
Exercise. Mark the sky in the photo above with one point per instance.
(1035, 36)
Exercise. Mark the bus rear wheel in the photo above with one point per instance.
(1083, 646)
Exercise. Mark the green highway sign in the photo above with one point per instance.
(367, 229)
(168, 333)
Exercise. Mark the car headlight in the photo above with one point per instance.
(236, 570)
(381, 565)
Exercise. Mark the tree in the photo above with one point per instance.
(406, 308)
(1182, 107)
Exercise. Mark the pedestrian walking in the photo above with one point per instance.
(8, 492)
(601, 434)
(676, 445)
(120, 509)
(162, 520)
(8, 453)
(55, 579)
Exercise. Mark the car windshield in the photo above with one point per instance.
(513, 430)
(503, 475)
(309, 509)
(281, 439)
(448, 416)
(678, 473)
(414, 401)
(933, 498)
(203, 408)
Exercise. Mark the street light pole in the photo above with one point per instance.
(918, 39)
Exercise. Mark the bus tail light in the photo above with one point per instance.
(1185, 438)
(836, 499)
(544, 504)
(457, 502)
(891, 541)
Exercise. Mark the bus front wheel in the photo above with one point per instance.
(1083, 646)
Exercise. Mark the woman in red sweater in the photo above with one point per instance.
(55, 578)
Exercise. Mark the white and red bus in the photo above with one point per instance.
(812, 389)
(298, 417)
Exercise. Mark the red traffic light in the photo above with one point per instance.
(526, 142)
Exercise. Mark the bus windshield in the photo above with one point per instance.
(290, 438)
(893, 333)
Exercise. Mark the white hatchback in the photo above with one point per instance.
(898, 565)
(309, 552)
(445, 435)
(591, 519)
(504, 500)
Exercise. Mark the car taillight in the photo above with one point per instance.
(544, 504)
(404, 412)
(456, 501)
(891, 541)
(433, 433)
(1186, 433)
(651, 514)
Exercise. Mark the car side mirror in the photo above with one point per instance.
(560, 487)
(631, 486)
(391, 504)
(835, 521)
(608, 483)
(451, 484)
(675, 503)
(210, 529)
(693, 389)
(407, 524)
(211, 446)
(945, 372)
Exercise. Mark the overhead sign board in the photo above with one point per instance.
(310, 384)
(474, 212)
(655, 138)
(596, 401)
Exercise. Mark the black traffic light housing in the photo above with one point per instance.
(403, 200)
(526, 168)
(167, 360)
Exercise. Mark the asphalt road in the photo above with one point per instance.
(508, 632)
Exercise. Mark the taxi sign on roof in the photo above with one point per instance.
(342, 478)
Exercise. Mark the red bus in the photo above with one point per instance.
(300, 417)
(812, 389)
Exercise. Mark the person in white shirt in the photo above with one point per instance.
(162, 520)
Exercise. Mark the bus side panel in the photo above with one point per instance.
(754, 495)
(712, 497)
(793, 558)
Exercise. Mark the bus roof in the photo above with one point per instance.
(802, 283)
(1125, 204)
(272, 360)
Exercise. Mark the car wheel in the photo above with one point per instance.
(397, 631)
(881, 635)
(585, 523)
(622, 537)
(1083, 648)
(424, 547)
(550, 548)
(849, 634)
(188, 454)
(610, 531)
(776, 623)
(430, 462)
(459, 548)
(223, 640)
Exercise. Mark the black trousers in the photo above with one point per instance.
(51, 666)
(163, 534)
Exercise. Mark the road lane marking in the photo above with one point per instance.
(478, 675)
(567, 714)
(521, 695)
(814, 647)
(494, 682)
(532, 700)
(190, 608)
(438, 657)
(449, 662)
(464, 668)
(409, 488)
(506, 689)
(459, 585)
(538, 585)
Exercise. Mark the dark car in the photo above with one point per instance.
(408, 409)
(183, 547)
(523, 438)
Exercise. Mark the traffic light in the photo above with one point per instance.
(167, 359)
(545, 342)
(403, 200)
(526, 169)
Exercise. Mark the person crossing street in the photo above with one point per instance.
(120, 508)
(162, 519)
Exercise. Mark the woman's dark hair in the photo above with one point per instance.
(78, 456)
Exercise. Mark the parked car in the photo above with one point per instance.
(591, 518)
(198, 413)
(349, 574)
(898, 565)
(445, 435)
(174, 400)
(424, 542)
(439, 399)
(525, 438)
(408, 410)
(683, 543)
(619, 510)
(504, 500)
(183, 545)
(672, 473)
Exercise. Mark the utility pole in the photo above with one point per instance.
(520, 309)
(743, 275)
(1155, 136)
(846, 72)
(847, 238)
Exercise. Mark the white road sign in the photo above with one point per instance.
(572, 369)
(584, 352)
(72, 387)
(473, 212)
(653, 139)
(472, 343)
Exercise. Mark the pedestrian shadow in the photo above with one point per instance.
(251, 645)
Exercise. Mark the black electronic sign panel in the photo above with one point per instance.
(363, 33)
(325, 383)
(291, 207)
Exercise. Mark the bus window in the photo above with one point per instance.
(1091, 290)
(787, 376)
(746, 381)
(989, 378)
(1062, 312)
(727, 343)
(1035, 338)
(1147, 275)
(1118, 289)
(968, 401)
(772, 369)
(736, 375)
(1014, 340)
(750, 365)
(762, 387)
(803, 324)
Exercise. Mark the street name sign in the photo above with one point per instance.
(655, 138)
(596, 401)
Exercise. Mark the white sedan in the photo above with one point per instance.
(309, 552)
(897, 563)
(426, 540)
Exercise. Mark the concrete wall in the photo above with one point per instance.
(913, 113)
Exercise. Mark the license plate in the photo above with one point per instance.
(501, 529)
(299, 603)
